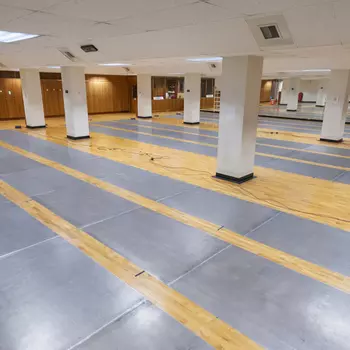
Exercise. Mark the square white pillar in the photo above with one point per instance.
(144, 96)
(293, 94)
(335, 113)
(238, 122)
(321, 95)
(192, 103)
(32, 98)
(75, 105)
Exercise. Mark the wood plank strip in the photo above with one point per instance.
(204, 324)
(258, 143)
(315, 199)
(214, 146)
(286, 260)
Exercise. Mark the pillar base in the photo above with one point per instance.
(291, 110)
(189, 123)
(78, 137)
(142, 117)
(319, 106)
(35, 127)
(237, 180)
(330, 140)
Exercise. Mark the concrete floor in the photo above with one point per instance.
(53, 296)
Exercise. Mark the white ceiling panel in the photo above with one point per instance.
(322, 32)
(8, 14)
(254, 7)
(175, 17)
(205, 39)
(47, 24)
(107, 10)
(341, 12)
(30, 4)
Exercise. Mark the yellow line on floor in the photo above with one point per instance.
(311, 139)
(296, 160)
(314, 199)
(316, 127)
(150, 134)
(267, 133)
(291, 262)
(164, 129)
(204, 324)
(216, 137)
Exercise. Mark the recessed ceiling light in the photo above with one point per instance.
(205, 59)
(115, 64)
(53, 67)
(10, 37)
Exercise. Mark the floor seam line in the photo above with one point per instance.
(119, 317)
(111, 217)
(263, 223)
(200, 264)
(5, 256)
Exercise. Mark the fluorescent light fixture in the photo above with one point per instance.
(316, 70)
(307, 71)
(115, 64)
(10, 37)
(54, 67)
(205, 59)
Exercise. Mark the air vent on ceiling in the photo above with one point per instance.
(213, 67)
(270, 31)
(68, 55)
(89, 48)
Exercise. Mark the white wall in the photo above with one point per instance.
(308, 87)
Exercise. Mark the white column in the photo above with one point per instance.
(238, 122)
(144, 96)
(32, 98)
(336, 106)
(292, 94)
(321, 95)
(75, 105)
(192, 103)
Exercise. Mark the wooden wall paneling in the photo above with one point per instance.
(4, 113)
(170, 105)
(52, 97)
(265, 91)
(207, 102)
(132, 81)
(14, 98)
(108, 94)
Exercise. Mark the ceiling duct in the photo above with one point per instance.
(68, 55)
(270, 31)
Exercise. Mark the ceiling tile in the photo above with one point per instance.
(106, 10)
(313, 26)
(8, 14)
(257, 7)
(175, 17)
(47, 24)
(341, 12)
(30, 4)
